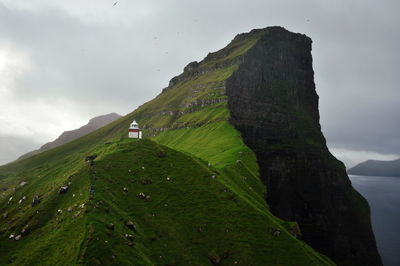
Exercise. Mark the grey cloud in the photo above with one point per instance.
(13, 146)
(123, 59)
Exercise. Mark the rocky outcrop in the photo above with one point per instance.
(273, 103)
(195, 69)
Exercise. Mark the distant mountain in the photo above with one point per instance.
(377, 168)
(67, 136)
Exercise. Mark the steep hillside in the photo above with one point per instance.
(67, 136)
(377, 168)
(141, 203)
(214, 118)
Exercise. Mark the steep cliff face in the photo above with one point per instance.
(273, 103)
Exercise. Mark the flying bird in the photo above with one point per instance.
(115, 3)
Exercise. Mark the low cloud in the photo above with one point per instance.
(351, 157)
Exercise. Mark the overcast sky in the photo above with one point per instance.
(64, 62)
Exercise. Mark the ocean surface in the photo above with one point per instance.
(383, 195)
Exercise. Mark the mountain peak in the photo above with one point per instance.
(70, 135)
(104, 119)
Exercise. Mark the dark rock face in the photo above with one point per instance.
(273, 103)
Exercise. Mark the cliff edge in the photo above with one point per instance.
(273, 103)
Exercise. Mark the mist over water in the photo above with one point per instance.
(383, 195)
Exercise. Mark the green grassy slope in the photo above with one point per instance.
(189, 218)
(192, 218)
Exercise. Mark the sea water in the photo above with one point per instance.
(383, 195)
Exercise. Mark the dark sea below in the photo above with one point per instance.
(383, 195)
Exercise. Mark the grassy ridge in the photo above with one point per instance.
(189, 218)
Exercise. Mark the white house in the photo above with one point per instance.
(134, 131)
